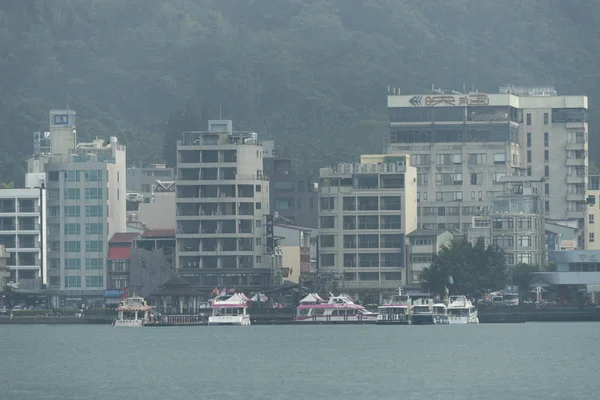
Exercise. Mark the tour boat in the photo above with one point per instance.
(422, 312)
(396, 310)
(231, 310)
(133, 312)
(440, 314)
(337, 309)
(462, 311)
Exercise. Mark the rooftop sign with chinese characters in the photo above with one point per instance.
(472, 99)
(453, 100)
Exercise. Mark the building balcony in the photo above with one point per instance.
(576, 146)
(576, 161)
(576, 178)
(576, 196)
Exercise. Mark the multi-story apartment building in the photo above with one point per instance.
(592, 219)
(86, 199)
(421, 246)
(224, 232)
(516, 223)
(365, 210)
(293, 196)
(463, 144)
(23, 234)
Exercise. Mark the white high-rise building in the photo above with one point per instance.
(23, 234)
(86, 205)
(365, 211)
(463, 144)
(224, 232)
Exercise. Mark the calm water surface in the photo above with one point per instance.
(520, 361)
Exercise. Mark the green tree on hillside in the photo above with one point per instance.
(466, 269)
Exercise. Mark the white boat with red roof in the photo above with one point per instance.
(230, 310)
(338, 309)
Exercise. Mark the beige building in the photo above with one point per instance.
(421, 246)
(463, 144)
(224, 232)
(365, 211)
(294, 242)
(592, 220)
(159, 213)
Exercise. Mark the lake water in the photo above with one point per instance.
(486, 361)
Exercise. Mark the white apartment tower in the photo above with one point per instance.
(224, 232)
(86, 205)
(463, 144)
(23, 234)
(365, 211)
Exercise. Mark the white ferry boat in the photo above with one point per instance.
(461, 311)
(396, 310)
(132, 313)
(337, 309)
(230, 311)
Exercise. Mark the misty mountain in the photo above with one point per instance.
(313, 74)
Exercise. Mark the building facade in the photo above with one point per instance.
(292, 196)
(222, 196)
(365, 211)
(592, 219)
(142, 180)
(85, 206)
(23, 234)
(463, 144)
(160, 212)
(421, 246)
(294, 242)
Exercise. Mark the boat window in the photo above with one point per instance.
(318, 312)
(303, 311)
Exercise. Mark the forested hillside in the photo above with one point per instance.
(311, 73)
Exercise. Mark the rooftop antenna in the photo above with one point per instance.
(67, 100)
(220, 117)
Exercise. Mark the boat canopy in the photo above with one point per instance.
(259, 297)
(312, 298)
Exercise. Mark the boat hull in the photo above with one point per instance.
(463, 320)
(392, 319)
(337, 319)
(128, 323)
(418, 319)
(231, 320)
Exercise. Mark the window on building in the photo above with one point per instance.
(327, 260)
(72, 211)
(72, 176)
(327, 203)
(524, 258)
(591, 218)
(93, 229)
(546, 119)
(93, 263)
(547, 188)
(422, 179)
(327, 240)
(546, 139)
(93, 211)
(499, 158)
(476, 179)
(93, 176)
(528, 118)
(528, 139)
(72, 194)
(72, 264)
(72, 281)
(591, 237)
(498, 176)
(327, 222)
(546, 171)
(420, 159)
(94, 194)
(528, 171)
(529, 156)
(524, 241)
(546, 155)
(258, 223)
(547, 206)
(94, 281)
(94, 245)
(477, 159)
(72, 229)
